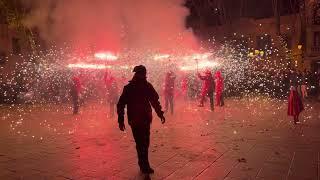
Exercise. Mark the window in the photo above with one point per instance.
(316, 39)
(2, 58)
(16, 49)
(263, 42)
(316, 15)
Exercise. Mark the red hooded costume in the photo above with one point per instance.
(112, 88)
(77, 84)
(208, 83)
(295, 105)
(219, 87)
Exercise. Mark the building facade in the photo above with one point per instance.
(261, 34)
(300, 31)
(12, 46)
(313, 35)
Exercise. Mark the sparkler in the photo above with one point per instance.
(200, 65)
(161, 56)
(106, 56)
(89, 66)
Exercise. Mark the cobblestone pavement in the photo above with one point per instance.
(247, 139)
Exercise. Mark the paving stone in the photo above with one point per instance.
(243, 140)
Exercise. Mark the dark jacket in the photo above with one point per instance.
(139, 95)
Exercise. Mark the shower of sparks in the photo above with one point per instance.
(43, 80)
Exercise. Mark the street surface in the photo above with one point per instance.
(246, 139)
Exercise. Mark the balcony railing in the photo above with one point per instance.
(315, 50)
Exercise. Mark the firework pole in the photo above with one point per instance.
(197, 61)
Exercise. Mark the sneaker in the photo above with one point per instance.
(150, 170)
(147, 171)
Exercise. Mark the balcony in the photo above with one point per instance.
(315, 51)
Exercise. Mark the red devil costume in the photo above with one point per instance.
(112, 92)
(295, 105)
(76, 89)
(219, 89)
(184, 87)
(169, 90)
(207, 88)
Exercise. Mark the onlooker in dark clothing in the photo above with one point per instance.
(169, 91)
(137, 96)
(207, 88)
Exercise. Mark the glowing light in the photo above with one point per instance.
(124, 67)
(201, 65)
(161, 56)
(89, 66)
(203, 56)
(106, 56)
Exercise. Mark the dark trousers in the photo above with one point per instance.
(169, 102)
(75, 102)
(203, 98)
(141, 134)
(222, 100)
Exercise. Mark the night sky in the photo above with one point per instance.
(250, 8)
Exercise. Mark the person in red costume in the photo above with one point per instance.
(207, 88)
(112, 92)
(219, 88)
(295, 105)
(76, 88)
(169, 91)
(184, 87)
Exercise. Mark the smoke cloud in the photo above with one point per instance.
(113, 24)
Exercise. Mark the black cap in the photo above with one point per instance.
(140, 69)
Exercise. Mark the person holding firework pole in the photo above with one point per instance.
(169, 91)
(295, 105)
(76, 88)
(139, 95)
(219, 88)
(208, 87)
(112, 92)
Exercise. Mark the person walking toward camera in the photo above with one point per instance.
(138, 96)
